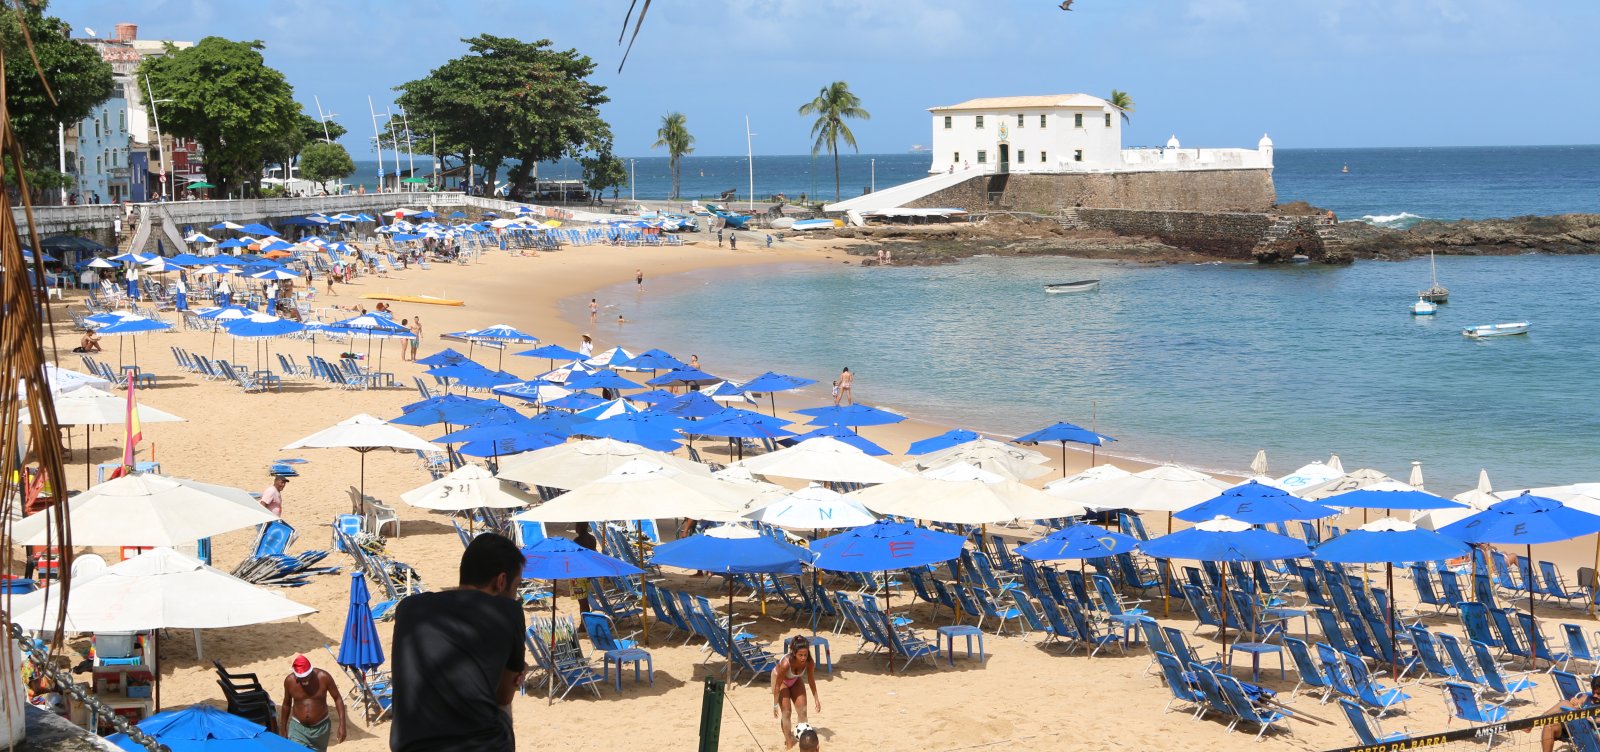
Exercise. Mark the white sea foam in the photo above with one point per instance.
(1401, 221)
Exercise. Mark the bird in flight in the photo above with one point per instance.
(1066, 4)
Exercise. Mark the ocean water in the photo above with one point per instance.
(1395, 186)
(1200, 364)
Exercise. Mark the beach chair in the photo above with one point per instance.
(1368, 691)
(1367, 730)
(1450, 588)
(1179, 685)
(904, 642)
(1087, 634)
(657, 605)
(991, 609)
(1582, 735)
(1111, 602)
(1505, 685)
(1204, 616)
(1578, 649)
(678, 617)
(1211, 692)
(1031, 619)
(1567, 685)
(1311, 675)
(1512, 643)
(380, 515)
(1178, 645)
(1462, 703)
(1425, 591)
(1503, 576)
(564, 669)
(1463, 666)
(1247, 711)
(602, 634)
(1154, 639)
(1427, 653)
(246, 697)
(1483, 590)
(1475, 620)
(1555, 586)
(1538, 645)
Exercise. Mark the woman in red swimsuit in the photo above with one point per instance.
(790, 678)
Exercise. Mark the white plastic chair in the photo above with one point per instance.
(379, 515)
(86, 565)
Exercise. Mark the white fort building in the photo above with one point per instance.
(1054, 135)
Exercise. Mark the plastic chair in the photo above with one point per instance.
(380, 515)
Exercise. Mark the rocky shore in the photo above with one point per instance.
(1029, 235)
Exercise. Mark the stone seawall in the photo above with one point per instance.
(1231, 235)
(1195, 190)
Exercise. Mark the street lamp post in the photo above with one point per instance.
(470, 179)
(874, 188)
(632, 173)
(161, 148)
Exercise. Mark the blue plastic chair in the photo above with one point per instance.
(1428, 654)
(1475, 620)
(1537, 644)
(1178, 645)
(1459, 662)
(1583, 736)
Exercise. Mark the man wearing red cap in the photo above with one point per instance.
(303, 715)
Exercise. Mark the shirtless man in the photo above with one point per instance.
(303, 715)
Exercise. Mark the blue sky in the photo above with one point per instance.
(1312, 73)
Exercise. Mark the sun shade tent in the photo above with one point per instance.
(823, 459)
(145, 509)
(642, 489)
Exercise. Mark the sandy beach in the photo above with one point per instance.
(1024, 697)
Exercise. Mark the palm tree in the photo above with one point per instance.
(1123, 102)
(833, 104)
(674, 134)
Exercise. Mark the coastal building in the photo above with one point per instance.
(1062, 133)
(102, 153)
(160, 159)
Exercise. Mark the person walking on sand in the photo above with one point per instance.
(272, 498)
(303, 715)
(794, 672)
(846, 381)
(594, 310)
(459, 656)
(586, 347)
(769, 240)
(733, 241)
(719, 237)
(416, 328)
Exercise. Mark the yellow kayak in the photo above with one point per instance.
(425, 299)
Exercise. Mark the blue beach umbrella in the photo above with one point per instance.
(607, 410)
(1524, 520)
(657, 397)
(552, 353)
(953, 437)
(275, 274)
(1389, 541)
(652, 360)
(504, 334)
(451, 409)
(739, 427)
(187, 259)
(532, 390)
(256, 228)
(1257, 504)
(692, 405)
(359, 648)
(98, 263)
(606, 379)
(849, 415)
(885, 545)
(649, 431)
(576, 401)
(517, 444)
(847, 436)
(772, 382)
(1065, 432)
(261, 326)
(224, 225)
(557, 558)
(1224, 539)
(1390, 495)
(610, 358)
(445, 357)
(1079, 541)
(132, 325)
(683, 377)
(205, 728)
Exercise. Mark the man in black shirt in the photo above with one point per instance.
(459, 656)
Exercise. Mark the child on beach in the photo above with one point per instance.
(836, 393)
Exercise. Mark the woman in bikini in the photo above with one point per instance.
(790, 678)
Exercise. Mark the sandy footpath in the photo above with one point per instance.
(1027, 696)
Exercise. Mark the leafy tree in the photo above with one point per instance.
(323, 161)
(1120, 100)
(509, 100)
(78, 77)
(674, 135)
(603, 170)
(225, 97)
(833, 104)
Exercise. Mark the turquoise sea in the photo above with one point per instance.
(1199, 364)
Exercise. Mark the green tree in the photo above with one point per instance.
(79, 79)
(675, 136)
(508, 99)
(603, 170)
(226, 97)
(323, 161)
(833, 104)
(1120, 100)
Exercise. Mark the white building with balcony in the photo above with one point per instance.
(1061, 133)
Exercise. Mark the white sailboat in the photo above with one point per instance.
(1437, 293)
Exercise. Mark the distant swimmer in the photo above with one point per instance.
(621, 320)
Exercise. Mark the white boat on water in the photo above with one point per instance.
(1082, 285)
(1496, 330)
(1423, 308)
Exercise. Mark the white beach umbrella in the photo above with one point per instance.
(1477, 499)
(1416, 474)
(468, 487)
(63, 380)
(963, 495)
(1258, 466)
(159, 589)
(641, 489)
(1350, 481)
(823, 459)
(575, 463)
(145, 509)
(812, 508)
(1309, 475)
(363, 433)
(1007, 460)
(88, 406)
(1167, 488)
(1072, 483)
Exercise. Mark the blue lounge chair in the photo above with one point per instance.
(904, 642)
(1154, 639)
(1567, 684)
(1087, 635)
(1450, 588)
(1246, 710)
(1428, 654)
(1578, 648)
(567, 671)
(1204, 616)
(1475, 620)
(1511, 641)
(1538, 645)
(657, 605)
(1508, 686)
(1211, 692)
(1583, 736)
(1031, 617)
(1460, 663)
(1425, 591)
(1463, 703)
(618, 613)
(1333, 668)
(1111, 602)
(1311, 675)
(992, 609)
(1178, 684)
(1368, 691)
(1367, 730)
(1555, 585)
(603, 636)
(1178, 645)
(1331, 633)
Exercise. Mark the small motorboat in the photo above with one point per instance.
(1423, 308)
(1496, 330)
(1082, 285)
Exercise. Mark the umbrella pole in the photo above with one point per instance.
(774, 399)
(1394, 639)
(214, 340)
(1063, 458)
(553, 669)
(361, 502)
(88, 466)
(731, 647)
(1530, 584)
(1225, 599)
(155, 660)
(1596, 576)
(644, 611)
(888, 617)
